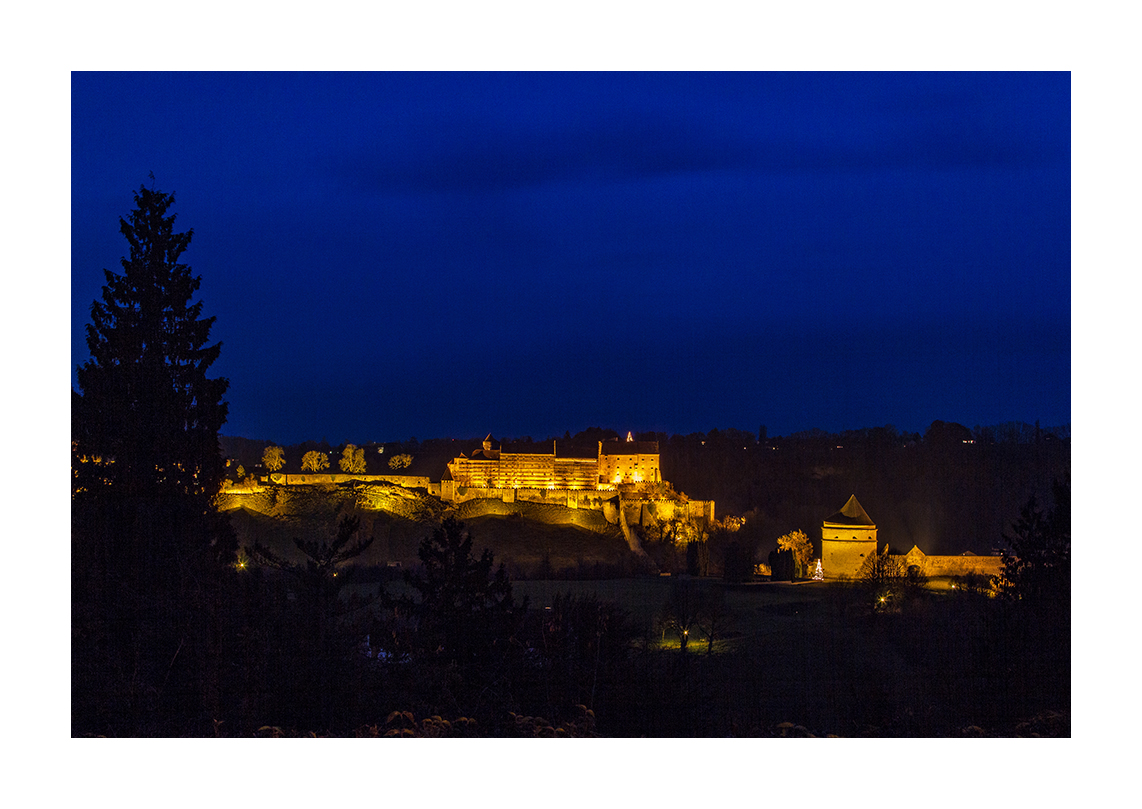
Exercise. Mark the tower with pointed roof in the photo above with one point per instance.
(847, 538)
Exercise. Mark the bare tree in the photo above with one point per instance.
(402, 461)
(314, 461)
(273, 458)
(884, 579)
(352, 460)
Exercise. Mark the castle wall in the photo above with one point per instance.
(952, 566)
(550, 513)
(526, 471)
(570, 498)
(310, 478)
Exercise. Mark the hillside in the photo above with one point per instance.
(528, 537)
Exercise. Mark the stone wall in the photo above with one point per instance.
(311, 478)
(570, 498)
(952, 566)
(549, 513)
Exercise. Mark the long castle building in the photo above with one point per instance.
(617, 463)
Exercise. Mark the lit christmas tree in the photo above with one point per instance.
(818, 573)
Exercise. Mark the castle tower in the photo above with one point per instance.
(847, 538)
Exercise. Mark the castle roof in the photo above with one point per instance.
(628, 448)
(483, 455)
(485, 452)
(851, 514)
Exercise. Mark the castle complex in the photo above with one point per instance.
(618, 482)
(618, 487)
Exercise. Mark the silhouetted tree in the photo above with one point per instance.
(582, 640)
(462, 607)
(694, 558)
(694, 608)
(149, 549)
(738, 565)
(946, 434)
(884, 580)
(1037, 560)
(680, 613)
(146, 402)
(319, 648)
(782, 565)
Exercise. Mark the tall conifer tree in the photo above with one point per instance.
(148, 402)
(147, 544)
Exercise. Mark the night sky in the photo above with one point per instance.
(399, 254)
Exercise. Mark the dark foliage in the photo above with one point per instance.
(1037, 559)
(462, 608)
(321, 642)
(147, 403)
(782, 565)
(582, 644)
(738, 564)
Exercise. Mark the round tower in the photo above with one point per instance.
(847, 539)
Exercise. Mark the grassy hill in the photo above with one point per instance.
(533, 539)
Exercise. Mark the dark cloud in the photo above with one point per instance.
(777, 124)
(635, 149)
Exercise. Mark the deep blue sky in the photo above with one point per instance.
(394, 254)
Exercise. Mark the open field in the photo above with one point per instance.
(812, 654)
(756, 607)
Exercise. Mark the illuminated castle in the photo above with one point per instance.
(617, 463)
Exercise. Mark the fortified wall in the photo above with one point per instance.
(848, 538)
(310, 478)
(952, 566)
